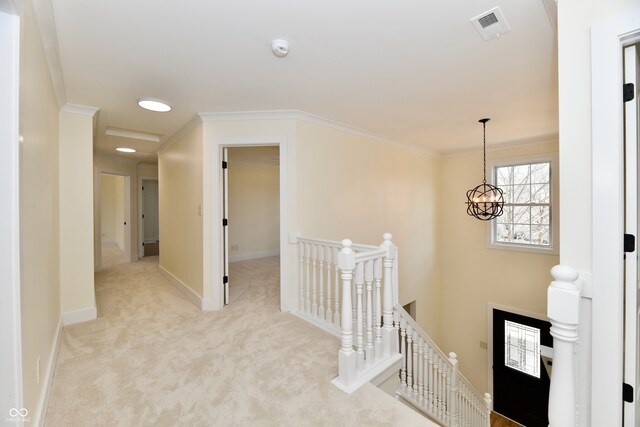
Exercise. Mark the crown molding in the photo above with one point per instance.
(195, 121)
(309, 118)
(49, 36)
(527, 142)
(79, 109)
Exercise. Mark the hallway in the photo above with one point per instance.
(152, 358)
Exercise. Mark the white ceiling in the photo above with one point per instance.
(415, 72)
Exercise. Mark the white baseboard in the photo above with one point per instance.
(41, 411)
(191, 295)
(108, 242)
(79, 316)
(154, 240)
(253, 255)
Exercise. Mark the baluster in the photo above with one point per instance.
(487, 410)
(346, 355)
(329, 262)
(430, 401)
(440, 388)
(403, 351)
(410, 357)
(416, 367)
(321, 281)
(453, 390)
(301, 275)
(314, 264)
(389, 341)
(359, 328)
(420, 369)
(377, 278)
(337, 313)
(368, 280)
(425, 373)
(307, 306)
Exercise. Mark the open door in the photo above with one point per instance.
(225, 221)
(632, 313)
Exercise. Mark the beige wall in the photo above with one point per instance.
(108, 208)
(254, 207)
(473, 275)
(121, 167)
(76, 215)
(180, 171)
(355, 187)
(39, 211)
(147, 170)
(119, 211)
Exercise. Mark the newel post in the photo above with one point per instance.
(389, 337)
(346, 355)
(563, 303)
(453, 390)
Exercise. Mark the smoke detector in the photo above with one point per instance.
(491, 24)
(280, 48)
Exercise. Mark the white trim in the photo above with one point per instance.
(253, 255)
(493, 306)
(11, 385)
(607, 40)
(212, 213)
(554, 248)
(309, 118)
(369, 374)
(49, 36)
(40, 414)
(79, 109)
(79, 316)
(203, 304)
(503, 146)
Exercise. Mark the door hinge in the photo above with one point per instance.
(225, 165)
(627, 393)
(225, 279)
(629, 243)
(628, 91)
(225, 222)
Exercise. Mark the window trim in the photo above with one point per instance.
(554, 246)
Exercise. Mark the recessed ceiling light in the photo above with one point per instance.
(125, 150)
(154, 105)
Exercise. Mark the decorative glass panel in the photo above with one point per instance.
(522, 348)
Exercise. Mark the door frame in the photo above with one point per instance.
(493, 306)
(128, 235)
(11, 388)
(215, 284)
(140, 212)
(608, 38)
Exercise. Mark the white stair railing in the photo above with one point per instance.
(563, 310)
(431, 382)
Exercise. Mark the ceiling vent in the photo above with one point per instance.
(491, 24)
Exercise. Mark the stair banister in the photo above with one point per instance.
(346, 355)
(563, 310)
(389, 338)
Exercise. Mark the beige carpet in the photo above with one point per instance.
(111, 255)
(154, 359)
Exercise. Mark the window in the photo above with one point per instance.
(530, 205)
(522, 348)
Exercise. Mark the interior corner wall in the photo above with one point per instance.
(180, 172)
(120, 167)
(254, 209)
(77, 291)
(355, 187)
(474, 275)
(39, 214)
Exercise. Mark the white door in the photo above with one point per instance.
(225, 228)
(632, 313)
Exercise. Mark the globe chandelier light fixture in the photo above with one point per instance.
(485, 201)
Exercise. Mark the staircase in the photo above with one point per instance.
(344, 286)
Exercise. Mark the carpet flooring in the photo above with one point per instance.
(154, 359)
(112, 255)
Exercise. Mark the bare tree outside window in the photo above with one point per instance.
(527, 209)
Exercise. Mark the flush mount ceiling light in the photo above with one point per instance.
(485, 201)
(280, 48)
(125, 150)
(154, 105)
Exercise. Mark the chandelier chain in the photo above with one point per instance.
(484, 152)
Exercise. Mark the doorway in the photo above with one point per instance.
(149, 218)
(113, 220)
(251, 207)
(522, 351)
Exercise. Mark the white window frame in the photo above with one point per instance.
(554, 246)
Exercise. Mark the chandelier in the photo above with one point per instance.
(485, 201)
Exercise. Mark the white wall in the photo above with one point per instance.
(254, 203)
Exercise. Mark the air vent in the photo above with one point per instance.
(491, 24)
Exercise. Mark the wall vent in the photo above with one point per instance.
(491, 24)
